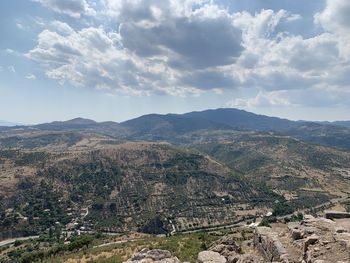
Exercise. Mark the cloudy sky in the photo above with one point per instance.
(118, 59)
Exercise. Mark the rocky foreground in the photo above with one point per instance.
(313, 240)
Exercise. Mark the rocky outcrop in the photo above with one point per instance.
(321, 239)
(228, 248)
(155, 255)
(313, 240)
(266, 241)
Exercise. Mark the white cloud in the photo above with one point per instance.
(189, 47)
(335, 17)
(336, 20)
(31, 77)
(73, 8)
(61, 27)
(150, 52)
(9, 50)
(20, 26)
(262, 99)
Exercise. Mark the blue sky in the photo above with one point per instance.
(118, 59)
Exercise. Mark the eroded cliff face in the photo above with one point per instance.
(312, 240)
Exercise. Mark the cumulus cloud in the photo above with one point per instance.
(335, 19)
(194, 46)
(73, 8)
(152, 49)
(335, 16)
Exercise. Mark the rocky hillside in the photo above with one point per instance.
(313, 240)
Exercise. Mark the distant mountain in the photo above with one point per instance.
(8, 123)
(179, 128)
(77, 123)
(173, 127)
(240, 119)
(164, 126)
(341, 123)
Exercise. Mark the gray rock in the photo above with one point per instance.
(233, 258)
(296, 234)
(268, 243)
(310, 241)
(211, 257)
(158, 254)
(155, 255)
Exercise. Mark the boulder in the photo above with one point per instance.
(310, 241)
(211, 257)
(296, 234)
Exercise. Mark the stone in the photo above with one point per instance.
(233, 258)
(340, 230)
(210, 257)
(218, 248)
(268, 243)
(310, 230)
(345, 244)
(310, 241)
(155, 255)
(158, 254)
(336, 215)
(296, 234)
(248, 258)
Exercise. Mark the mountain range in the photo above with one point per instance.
(158, 172)
(173, 127)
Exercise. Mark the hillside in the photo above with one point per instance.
(127, 176)
(240, 119)
(303, 173)
(125, 187)
(165, 127)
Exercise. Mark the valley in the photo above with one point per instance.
(161, 175)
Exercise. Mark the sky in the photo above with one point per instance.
(119, 59)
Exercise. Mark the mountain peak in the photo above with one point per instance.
(80, 120)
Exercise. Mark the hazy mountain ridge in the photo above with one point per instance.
(173, 127)
(9, 123)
